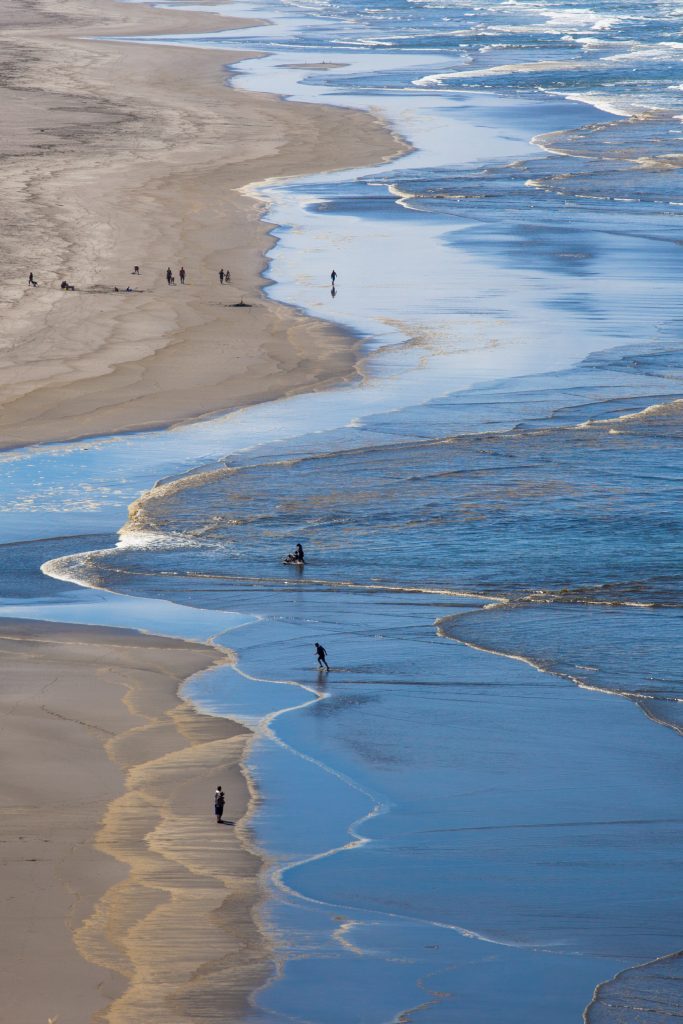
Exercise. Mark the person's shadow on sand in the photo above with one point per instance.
(224, 822)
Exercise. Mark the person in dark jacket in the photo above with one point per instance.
(322, 656)
(219, 804)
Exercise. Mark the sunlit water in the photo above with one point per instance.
(475, 815)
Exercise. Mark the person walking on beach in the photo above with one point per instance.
(219, 804)
(136, 270)
(32, 281)
(227, 276)
(221, 275)
(169, 275)
(181, 275)
(322, 657)
(333, 277)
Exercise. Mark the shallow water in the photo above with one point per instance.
(475, 816)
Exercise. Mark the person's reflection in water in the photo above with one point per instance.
(333, 291)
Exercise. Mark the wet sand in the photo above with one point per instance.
(116, 155)
(118, 887)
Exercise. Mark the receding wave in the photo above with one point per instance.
(567, 526)
(609, 647)
(646, 994)
(501, 69)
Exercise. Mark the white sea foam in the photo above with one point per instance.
(66, 568)
(662, 51)
(499, 69)
(150, 540)
(618, 105)
(587, 42)
(577, 17)
(553, 19)
(640, 414)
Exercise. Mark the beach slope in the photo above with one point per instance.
(122, 899)
(117, 155)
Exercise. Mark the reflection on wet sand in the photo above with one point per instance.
(432, 788)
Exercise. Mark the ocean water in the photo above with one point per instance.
(476, 814)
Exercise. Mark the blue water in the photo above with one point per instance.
(476, 814)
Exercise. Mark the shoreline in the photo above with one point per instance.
(152, 174)
(140, 142)
(96, 721)
(580, 723)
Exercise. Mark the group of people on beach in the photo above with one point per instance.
(64, 285)
(170, 276)
(223, 277)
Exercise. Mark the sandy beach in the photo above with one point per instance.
(118, 155)
(121, 898)
(474, 814)
(110, 843)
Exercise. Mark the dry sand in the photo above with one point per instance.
(122, 899)
(115, 154)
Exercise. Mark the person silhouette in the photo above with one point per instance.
(181, 275)
(322, 656)
(219, 804)
(333, 277)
